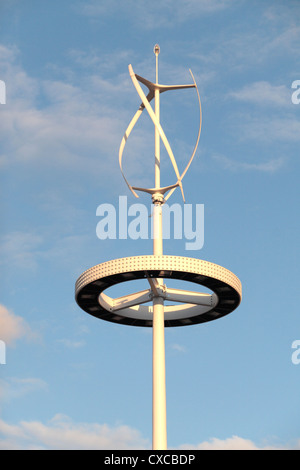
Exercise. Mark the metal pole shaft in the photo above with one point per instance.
(159, 413)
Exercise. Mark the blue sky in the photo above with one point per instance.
(70, 380)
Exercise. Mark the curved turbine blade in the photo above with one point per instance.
(157, 124)
(146, 104)
(198, 137)
(123, 142)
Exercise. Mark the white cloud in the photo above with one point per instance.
(286, 40)
(269, 166)
(13, 327)
(27, 252)
(155, 14)
(14, 387)
(61, 433)
(74, 125)
(264, 93)
(20, 249)
(249, 50)
(68, 118)
(178, 347)
(272, 119)
(71, 344)
(268, 128)
(236, 443)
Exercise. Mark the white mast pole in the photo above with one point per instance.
(93, 300)
(159, 412)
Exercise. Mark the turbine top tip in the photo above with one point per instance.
(156, 49)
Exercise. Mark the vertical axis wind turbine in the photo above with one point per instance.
(190, 307)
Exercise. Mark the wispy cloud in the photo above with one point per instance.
(250, 50)
(269, 166)
(73, 125)
(265, 43)
(15, 387)
(178, 347)
(19, 249)
(263, 93)
(266, 128)
(268, 116)
(238, 443)
(61, 433)
(144, 14)
(13, 327)
(50, 119)
(71, 344)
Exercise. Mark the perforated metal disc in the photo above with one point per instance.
(93, 282)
